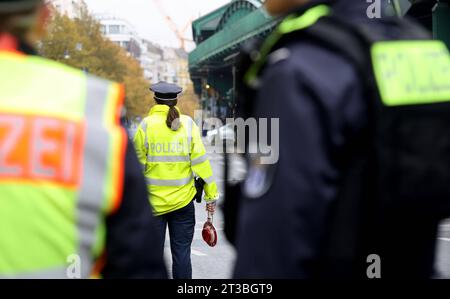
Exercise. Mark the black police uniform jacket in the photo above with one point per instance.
(318, 98)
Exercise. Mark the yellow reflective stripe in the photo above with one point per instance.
(309, 18)
(199, 160)
(179, 182)
(157, 159)
(412, 72)
(290, 24)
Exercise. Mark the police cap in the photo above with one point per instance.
(17, 6)
(166, 91)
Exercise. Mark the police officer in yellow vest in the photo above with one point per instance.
(170, 150)
(73, 202)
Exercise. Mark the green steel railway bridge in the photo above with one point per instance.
(220, 34)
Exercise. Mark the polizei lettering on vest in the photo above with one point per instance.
(167, 148)
(40, 148)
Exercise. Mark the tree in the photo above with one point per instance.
(188, 101)
(80, 44)
(138, 98)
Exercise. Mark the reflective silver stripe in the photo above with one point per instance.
(189, 133)
(199, 160)
(180, 182)
(57, 273)
(209, 180)
(168, 159)
(160, 99)
(95, 171)
(144, 128)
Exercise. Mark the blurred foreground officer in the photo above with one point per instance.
(170, 149)
(72, 201)
(363, 176)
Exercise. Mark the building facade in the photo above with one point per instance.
(151, 61)
(121, 33)
(159, 63)
(165, 64)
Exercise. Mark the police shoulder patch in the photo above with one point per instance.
(259, 179)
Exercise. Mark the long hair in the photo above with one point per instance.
(173, 116)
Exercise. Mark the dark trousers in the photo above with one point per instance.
(181, 231)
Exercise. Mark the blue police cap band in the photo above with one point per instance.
(164, 99)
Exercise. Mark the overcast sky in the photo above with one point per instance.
(149, 22)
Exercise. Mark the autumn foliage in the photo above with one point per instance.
(80, 43)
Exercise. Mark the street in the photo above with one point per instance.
(217, 262)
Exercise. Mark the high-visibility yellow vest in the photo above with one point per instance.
(61, 166)
(170, 159)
